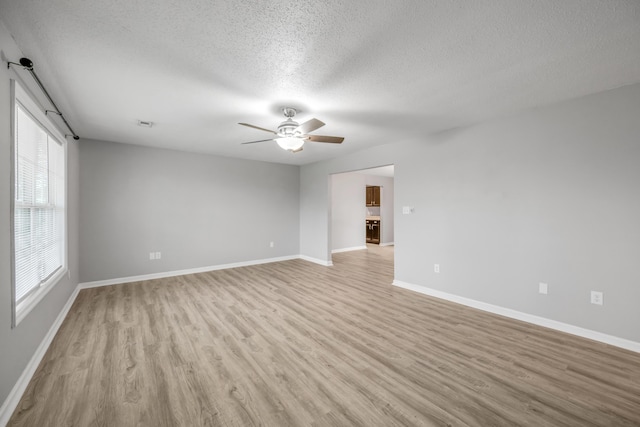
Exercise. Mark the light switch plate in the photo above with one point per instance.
(543, 288)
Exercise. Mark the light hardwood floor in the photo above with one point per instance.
(294, 343)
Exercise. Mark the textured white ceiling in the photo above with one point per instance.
(376, 72)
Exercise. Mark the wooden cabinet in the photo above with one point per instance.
(373, 222)
(373, 196)
(373, 231)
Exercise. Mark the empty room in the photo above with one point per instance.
(243, 213)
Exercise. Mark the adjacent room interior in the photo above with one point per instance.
(319, 213)
(361, 209)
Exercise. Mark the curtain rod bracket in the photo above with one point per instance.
(27, 64)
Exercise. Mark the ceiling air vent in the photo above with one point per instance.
(145, 124)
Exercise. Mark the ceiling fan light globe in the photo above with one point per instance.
(290, 143)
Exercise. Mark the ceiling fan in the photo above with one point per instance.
(291, 135)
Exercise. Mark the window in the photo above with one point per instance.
(39, 215)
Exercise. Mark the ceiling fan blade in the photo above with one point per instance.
(253, 142)
(309, 126)
(297, 151)
(258, 127)
(324, 138)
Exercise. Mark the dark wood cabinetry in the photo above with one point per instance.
(373, 231)
(373, 221)
(373, 196)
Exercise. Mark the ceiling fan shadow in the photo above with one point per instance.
(398, 122)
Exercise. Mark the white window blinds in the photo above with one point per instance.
(39, 219)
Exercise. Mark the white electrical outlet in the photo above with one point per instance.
(543, 288)
(597, 298)
(436, 268)
(152, 255)
(270, 244)
(158, 255)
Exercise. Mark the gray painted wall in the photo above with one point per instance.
(18, 345)
(197, 210)
(549, 195)
(348, 209)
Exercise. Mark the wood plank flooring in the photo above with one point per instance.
(297, 344)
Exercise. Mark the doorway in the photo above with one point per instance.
(349, 212)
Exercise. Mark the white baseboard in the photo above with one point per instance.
(316, 260)
(525, 317)
(12, 400)
(354, 248)
(98, 283)
(387, 244)
(162, 275)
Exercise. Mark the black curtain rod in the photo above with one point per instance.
(27, 64)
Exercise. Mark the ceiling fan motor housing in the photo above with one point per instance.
(287, 128)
